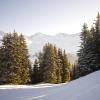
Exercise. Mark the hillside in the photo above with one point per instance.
(85, 88)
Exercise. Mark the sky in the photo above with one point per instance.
(47, 16)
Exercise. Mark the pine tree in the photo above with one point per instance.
(24, 60)
(14, 63)
(89, 54)
(84, 53)
(5, 60)
(36, 78)
(49, 64)
(7, 65)
(58, 64)
(74, 72)
(60, 60)
(97, 42)
(53, 65)
(41, 66)
(65, 69)
(92, 54)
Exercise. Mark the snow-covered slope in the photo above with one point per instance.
(85, 88)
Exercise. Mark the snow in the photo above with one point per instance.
(84, 88)
(27, 86)
(68, 42)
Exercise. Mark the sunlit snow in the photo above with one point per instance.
(85, 88)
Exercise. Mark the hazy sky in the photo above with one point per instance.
(46, 16)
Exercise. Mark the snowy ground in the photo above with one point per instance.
(85, 88)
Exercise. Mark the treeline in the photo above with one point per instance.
(52, 66)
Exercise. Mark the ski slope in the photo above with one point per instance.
(85, 88)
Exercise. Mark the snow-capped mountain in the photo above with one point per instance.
(68, 42)
(36, 42)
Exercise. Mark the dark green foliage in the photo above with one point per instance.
(53, 65)
(49, 64)
(65, 68)
(59, 65)
(96, 37)
(60, 60)
(14, 62)
(36, 77)
(24, 61)
(85, 52)
(40, 62)
(89, 54)
(74, 72)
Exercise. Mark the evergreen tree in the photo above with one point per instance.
(74, 73)
(53, 65)
(92, 53)
(5, 59)
(60, 60)
(58, 64)
(65, 68)
(89, 53)
(49, 64)
(14, 60)
(41, 67)
(24, 60)
(36, 78)
(97, 43)
(84, 53)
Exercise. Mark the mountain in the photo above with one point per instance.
(84, 88)
(68, 42)
(36, 42)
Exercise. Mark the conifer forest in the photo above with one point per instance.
(51, 65)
